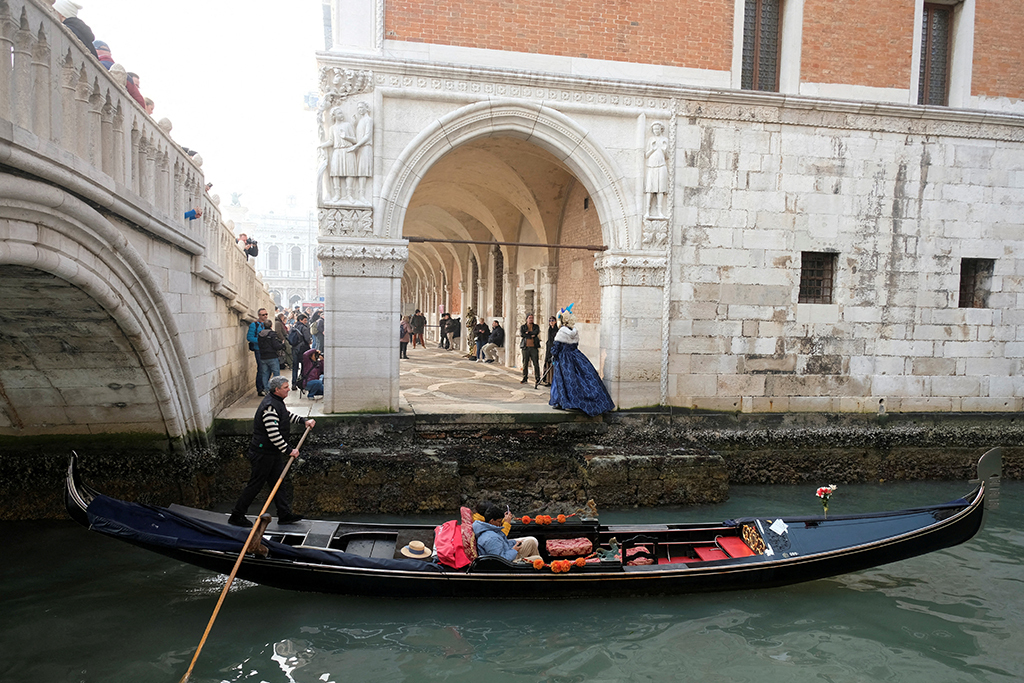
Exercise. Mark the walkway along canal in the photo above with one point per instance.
(468, 431)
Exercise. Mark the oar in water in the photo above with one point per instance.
(252, 544)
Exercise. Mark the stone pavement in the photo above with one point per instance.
(437, 382)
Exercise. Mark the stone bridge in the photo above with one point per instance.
(119, 315)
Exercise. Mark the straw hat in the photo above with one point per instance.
(417, 550)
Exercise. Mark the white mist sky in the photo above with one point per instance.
(231, 76)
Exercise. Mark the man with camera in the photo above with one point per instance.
(248, 245)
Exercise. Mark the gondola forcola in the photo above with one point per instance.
(366, 559)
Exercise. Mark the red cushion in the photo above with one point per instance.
(735, 546)
(468, 537)
(707, 553)
(569, 547)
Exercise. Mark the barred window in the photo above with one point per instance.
(273, 258)
(296, 259)
(817, 273)
(761, 29)
(936, 34)
(975, 282)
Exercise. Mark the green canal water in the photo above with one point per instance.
(79, 607)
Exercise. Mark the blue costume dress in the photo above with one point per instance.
(575, 383)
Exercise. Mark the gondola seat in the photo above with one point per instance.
(707, 553)
(734, 546)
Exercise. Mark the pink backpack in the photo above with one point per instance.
(448, 540)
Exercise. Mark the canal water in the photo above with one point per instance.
(77, 607)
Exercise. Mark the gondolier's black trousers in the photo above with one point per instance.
(266, 468)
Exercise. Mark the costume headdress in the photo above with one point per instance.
(566, 317)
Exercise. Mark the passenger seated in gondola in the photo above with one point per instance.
(490, 540)
(478, 516)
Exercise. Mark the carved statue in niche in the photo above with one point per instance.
(339, 143)
(364, 149)
(656, 180)
(349, 156)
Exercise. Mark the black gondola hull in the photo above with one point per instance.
(811, 548)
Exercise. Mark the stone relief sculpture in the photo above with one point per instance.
(349, 158)
(364, 149)
(656, 179)
(347, 161)
(339, 143)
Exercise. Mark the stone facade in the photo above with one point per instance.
(709, 200)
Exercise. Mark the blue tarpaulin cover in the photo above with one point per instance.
(157, 526)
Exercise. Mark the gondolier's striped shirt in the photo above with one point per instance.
(271, 423)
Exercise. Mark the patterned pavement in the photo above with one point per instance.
(436, 382)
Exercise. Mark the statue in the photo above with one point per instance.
(656, 181)
(363, 149)
(340, 138)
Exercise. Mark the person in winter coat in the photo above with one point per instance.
(68, 13)
(494, 342)
(491, 540)
(404, 335)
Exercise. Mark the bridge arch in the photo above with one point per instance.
(61, 245)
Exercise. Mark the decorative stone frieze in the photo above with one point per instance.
(655, 233)
(337, 84)
(631, 269)
(346, 222)
(363, 258)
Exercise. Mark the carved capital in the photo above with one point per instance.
(363, 258)
(631, 269)
(337, 83)
(346, 222)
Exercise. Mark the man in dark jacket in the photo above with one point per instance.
(494, 342)
(529, 343)
(305, 343)
(419, 323)
(269, 346)
(68, 13)
(481, 335)
(443, 329)
(267, 452)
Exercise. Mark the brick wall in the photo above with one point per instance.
(577, 279)
(997, 49)
(685, 33)
(860, 43)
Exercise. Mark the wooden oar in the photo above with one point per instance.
(245, 548)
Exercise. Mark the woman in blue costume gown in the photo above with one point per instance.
(575, 383)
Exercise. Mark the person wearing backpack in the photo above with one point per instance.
(253, 339)
(316, 328)
(303, 342)
(269, 346)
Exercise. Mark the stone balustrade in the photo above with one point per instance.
(68, 121)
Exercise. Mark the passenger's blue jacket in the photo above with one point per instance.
(491, 540)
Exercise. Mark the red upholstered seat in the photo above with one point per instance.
(735, 546)
(707, 553)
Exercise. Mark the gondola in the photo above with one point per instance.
(611, 560)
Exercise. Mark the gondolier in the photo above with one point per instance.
(267, 452)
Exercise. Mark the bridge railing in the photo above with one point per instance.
(62, 102)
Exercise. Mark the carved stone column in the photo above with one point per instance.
(362, 299)
(631, 299)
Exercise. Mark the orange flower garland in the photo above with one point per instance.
(538, 563)
(545, 519)
(560, 566)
